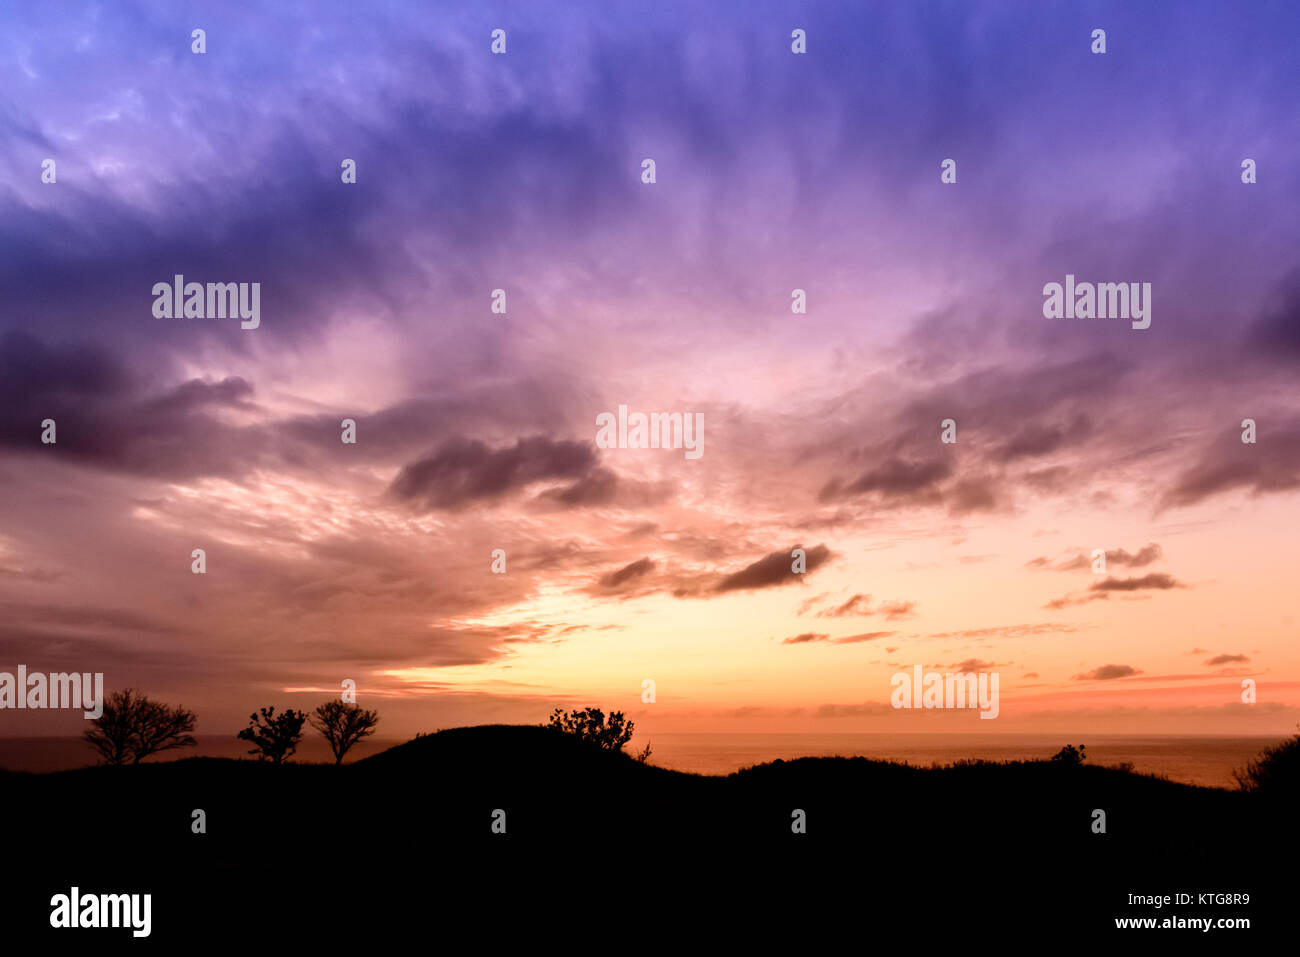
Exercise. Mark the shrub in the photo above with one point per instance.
(591, 725)
(1275, 771)
(274, 737)
(1070, 755)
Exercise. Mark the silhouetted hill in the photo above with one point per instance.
(421, 814)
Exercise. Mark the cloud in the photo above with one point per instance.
(1155, 580)
(972, 664)
(895, 479)
(1056, 604)
(866, 709)
(1272, 465)
(809, 637)
(603, 487)
(1009, 631)
(1227, 660)
(856, 639)
(981, 494)
(857, 605)
(893, 610)
(112, 418)
(465, 471)
(1100, 591)
(1040, 439)
(1276, 334)
(772, 570)
(1114, 556)
(1108, 672)
(805, 638)
(631, 572)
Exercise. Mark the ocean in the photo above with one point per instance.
(1207, 761)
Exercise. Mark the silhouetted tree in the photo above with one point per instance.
(1069, 755)
(343, 725)
(1276, 770)
(274, 737)
(133, 727)
(591, 725)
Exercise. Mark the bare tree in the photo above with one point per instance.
(274, 737)
(133, 727)
(343, 725)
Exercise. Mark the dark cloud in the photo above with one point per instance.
(465, 471)
(232, 392)
(896, 479)
(600, 487)
(644, 577)
(805, 638)
(1155, 580)
(1270, 465)
(1056, 604)
(631, 572)
(809, 637)
(1276, 334)
(1108, 672)
(1227, 660)
(893, 610)
(1040, 439)
(1144, 556)
(603, 487)
(773, 570)
(1102, 590)
(106, 418)
(866, 636)
(1114, 556)
(975, 495)
(30, 367)
(857, 605)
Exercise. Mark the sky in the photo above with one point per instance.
(475, 431)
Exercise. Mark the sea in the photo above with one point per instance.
(1205, 761)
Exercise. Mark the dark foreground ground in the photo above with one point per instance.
(600, 851)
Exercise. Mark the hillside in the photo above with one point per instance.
(426, 807)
